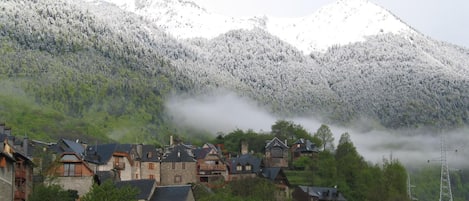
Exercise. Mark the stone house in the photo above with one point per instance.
(303, 147)
(276, 175)
(276, 153)
(178, 166)
(7, 165)
(121, 158)
(210, 165)
(244, 166)
(150, 166)
(72, 172)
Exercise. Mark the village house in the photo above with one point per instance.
(244, 166)
(178, 166)
(303, 147)
(150, 166)
(210, 165)
(7, 162)
(278, 177)
(276, 154)
(16, 168)
(72, 173)
(121, 158)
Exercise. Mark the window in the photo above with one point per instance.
(151, 166)
(248, 167)
(69, 169)
(239, 168)
(173, 166)
(177, 179)
(152, 176)
(183, 165)
(136, 176)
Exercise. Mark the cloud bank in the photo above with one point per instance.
(226, 111)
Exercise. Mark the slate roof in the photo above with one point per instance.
(103, 176)
(100, 154)
(305, 146)
(73, 146)
(178, 153)
(271, 173)
(171, 193)
(244, 160)
(274, 143)
(150, 154)
(145, 187)
(323, 193)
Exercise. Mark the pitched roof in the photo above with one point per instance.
(100, 154)
(73, 146)
(171, 193)
(145, 187)
(275, 143)
(323, 193)
(305, 146)
(274, 174)
(150, 154)
(244, 160)
(179, 153)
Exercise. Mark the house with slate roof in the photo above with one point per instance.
(150, 166)
(303, 147)
(210, 164)
(178, 166)
(146, 188)
(276, 153)
(276, 175)
(7, 162)
(311, 193)
(71, 172)
(244, 166)
(173, 193)
(16, 168)
(116, 157)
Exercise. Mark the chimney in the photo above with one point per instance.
(140, 150)
(25, 145)
(244, 147)
(171, 140)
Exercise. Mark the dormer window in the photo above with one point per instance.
(239, 167)
(248, 167)
(149, 155)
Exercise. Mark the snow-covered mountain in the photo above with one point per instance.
(340, 23)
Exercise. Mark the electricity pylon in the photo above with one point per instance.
(445, 182)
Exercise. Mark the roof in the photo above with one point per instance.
(305, 146)
(73, 146)
(103, 176)
(179, 153)
(271, 173)
(244, 160)
(100, 154)
(275, 143)
(323, 193)
(145, 187)
(171, 193)
(150, 154)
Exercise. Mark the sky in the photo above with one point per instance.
(442, 20)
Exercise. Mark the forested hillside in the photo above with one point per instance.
(88, 67)
(65, 72)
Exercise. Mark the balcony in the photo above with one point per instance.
(212, 167)
(119, 165)
(20, 175)
(20, 195)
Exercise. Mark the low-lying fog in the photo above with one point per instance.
(226, 112)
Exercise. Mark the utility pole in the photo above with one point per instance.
(445, 182)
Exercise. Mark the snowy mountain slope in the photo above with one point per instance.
(340, 23)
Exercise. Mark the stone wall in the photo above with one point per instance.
(182, 173)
